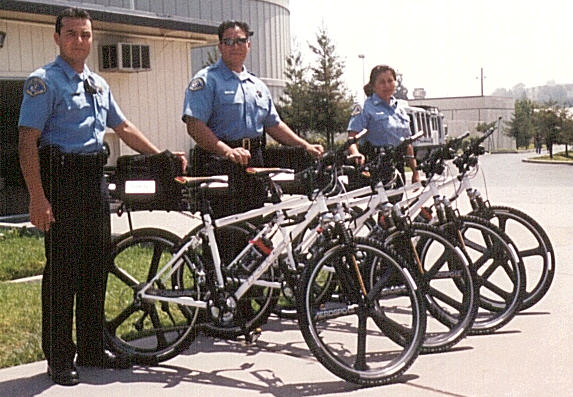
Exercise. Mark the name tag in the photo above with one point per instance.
(140, 187)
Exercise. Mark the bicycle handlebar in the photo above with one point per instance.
(486, 135)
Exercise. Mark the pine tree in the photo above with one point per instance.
(332, 103)
(294, 106)
(315, 98)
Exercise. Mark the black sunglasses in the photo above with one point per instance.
(232, 42)
(90, 89)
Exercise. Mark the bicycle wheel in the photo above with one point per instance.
(533, 245)
(354, 337)
(148, 331)
(500, 273)
(449, 283)
(254, 308)
(286, 306)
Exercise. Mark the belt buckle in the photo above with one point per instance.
(246, 144)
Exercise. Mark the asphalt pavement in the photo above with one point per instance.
(531, 356)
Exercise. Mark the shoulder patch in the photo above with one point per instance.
(36, 86)
(356, 109)
(198, 83)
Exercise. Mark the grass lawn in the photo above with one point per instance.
(20, 324)
(21, 253)
(557, 157)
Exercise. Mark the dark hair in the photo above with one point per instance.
(231, 24)
(376, 71)
(72, 12)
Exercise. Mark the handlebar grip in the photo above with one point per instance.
(413, 138)
(485, 136)
(355, 138)
(463, 136)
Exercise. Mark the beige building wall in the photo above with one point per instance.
(463, 114)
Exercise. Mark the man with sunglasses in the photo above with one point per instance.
(65, 111)
(227, 111)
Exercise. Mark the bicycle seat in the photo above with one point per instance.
(268, 171)
(197, 180)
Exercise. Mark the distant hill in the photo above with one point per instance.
(560, 93)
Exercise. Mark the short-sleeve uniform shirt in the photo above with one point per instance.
(386, 123)
(58, 103)
(233, 105)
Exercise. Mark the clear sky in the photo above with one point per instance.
(441, 45)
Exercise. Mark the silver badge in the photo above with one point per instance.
(198, 83)
(35, 86)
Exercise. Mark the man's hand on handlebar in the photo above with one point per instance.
(184, 163)
(315, 151)
(238, 155)
(358, 158)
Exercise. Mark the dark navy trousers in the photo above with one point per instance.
(77, 252)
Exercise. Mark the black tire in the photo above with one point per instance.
(254, 308)
(449, 282)
(152, 331)
(500, 273)
(286, 306)
(330, 324)
(534, 247)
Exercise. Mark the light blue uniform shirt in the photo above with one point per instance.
(56, 103)
(386, 123)
(233, 105)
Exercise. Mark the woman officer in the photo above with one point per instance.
(385, 119)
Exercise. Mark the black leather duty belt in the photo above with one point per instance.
(55, 153)
(246, 143)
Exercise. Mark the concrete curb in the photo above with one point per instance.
(547, 161)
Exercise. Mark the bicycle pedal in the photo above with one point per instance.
(252, 336)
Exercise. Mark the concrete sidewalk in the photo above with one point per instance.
(531, 356)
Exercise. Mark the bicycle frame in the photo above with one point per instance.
(297, 205)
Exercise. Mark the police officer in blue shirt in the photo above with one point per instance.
(227, 111)
(65, 111)
(386, 121)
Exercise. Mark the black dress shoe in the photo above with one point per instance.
(107, 360)
(64, 377)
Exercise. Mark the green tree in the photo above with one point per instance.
(548, 124)
(521, 126)
(212, 57)
(483, 127)
(295, 103)
(566, 131)
(332, 104)
(401, 91)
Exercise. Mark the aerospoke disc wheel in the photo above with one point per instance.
(148, 331)
(365, 343)
(533, 245)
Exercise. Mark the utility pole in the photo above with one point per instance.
(481, 78)
(361, 56)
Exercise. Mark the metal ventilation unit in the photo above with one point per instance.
(125, 57)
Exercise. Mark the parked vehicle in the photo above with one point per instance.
(428, 119)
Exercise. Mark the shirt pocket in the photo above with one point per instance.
(76, 103)
(102, 101)
(381, 122)
(231, 106)
(262, 108)
(404, 119)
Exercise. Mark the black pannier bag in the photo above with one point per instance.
(146, 181)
